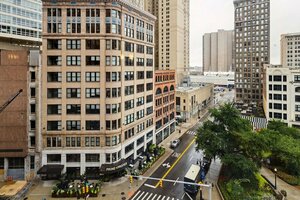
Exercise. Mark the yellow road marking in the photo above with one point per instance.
(177, 160)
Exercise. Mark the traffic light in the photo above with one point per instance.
(160, 183)
(130, 179)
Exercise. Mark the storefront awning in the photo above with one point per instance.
(113, 168)
(50, 169)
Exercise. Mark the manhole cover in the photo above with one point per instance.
(103, 195)
(122, 193)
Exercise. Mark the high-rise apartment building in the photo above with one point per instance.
(98, 84)
(217, 51)
(172, 35)
(20, 22)
(290, 50)
(252, 47)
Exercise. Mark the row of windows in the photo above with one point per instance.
(72, 125)
(95, 61)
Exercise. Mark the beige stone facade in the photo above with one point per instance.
(290, 50)
(217, 51)
(172, 35)
(190, 101)
(98, 83)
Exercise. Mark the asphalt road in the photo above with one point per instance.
(185, 155)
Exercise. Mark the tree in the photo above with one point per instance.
(230, 138)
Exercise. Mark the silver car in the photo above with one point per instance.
(175, 143)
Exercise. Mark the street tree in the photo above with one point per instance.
(231, 138)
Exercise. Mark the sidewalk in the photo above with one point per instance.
(293, 193)
(212, 176)
(119, 188)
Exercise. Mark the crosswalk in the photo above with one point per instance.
(191, 133)
(143, 195)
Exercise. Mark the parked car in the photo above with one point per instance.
(175, 143)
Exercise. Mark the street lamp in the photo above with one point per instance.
(275, 172)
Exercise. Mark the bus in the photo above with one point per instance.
(192, 176)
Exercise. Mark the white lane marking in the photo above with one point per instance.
(158, 197)
(136, 195)
(163, 198)
(182, 195)
(175, 181)
(148, 185)
(191, 158)
(141, 195)
(145, 196)
(168, 198)
(149, 196)
(189, 196)
(154, 197)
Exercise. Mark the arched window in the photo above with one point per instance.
(158, 91)
(297, 89)
(172, 88)
(166, 89)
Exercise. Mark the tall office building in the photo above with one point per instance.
(20, 23)
(217, 51)
(98, 84)
(172, 35)
(252, 47)
(290, 50)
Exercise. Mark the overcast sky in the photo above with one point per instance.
(211, 15)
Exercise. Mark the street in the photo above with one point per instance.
(176, 167)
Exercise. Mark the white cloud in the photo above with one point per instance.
(211, 15)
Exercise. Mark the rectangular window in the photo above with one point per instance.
(92, 109)
(73, 157)
(53, 44)
(54, 93)
(92, 157)
(73, 60)
(73, 44)
(73, 77)
(53, 125)
(92, 44)
(92, 77)
(54, 76)
(73, 109)
(92, 60)
(73, 93)
(92, 92)
(73, 125)
(54, 109)
(54, 60)
(92, 125)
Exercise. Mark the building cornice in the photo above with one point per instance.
(124, 3)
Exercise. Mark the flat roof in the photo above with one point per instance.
(193, 172)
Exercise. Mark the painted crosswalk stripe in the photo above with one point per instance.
(149, 196)
(154, 197)
(168, 198)
(136, 195)
(145, 196)
(158, 197)
(163, 197)
(140, 195)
